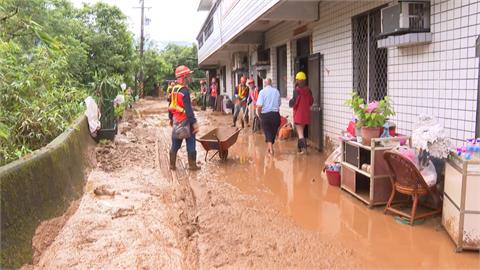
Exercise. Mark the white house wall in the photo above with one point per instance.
(332, 37)
(232, 19)
(438, 79)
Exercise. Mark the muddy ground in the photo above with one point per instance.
(248, 212)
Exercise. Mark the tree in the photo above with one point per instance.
(109, 43)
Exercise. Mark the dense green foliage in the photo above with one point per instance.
(52, 55)
(159, 65)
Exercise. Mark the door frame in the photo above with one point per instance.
(317, 107)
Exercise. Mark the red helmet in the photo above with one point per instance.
(250, 81)
(182, 71)
(243, 79)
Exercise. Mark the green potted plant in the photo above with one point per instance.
(371, 117)
(106, 90)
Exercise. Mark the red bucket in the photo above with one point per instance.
(333, 178)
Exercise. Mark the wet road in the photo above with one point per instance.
(293, 183)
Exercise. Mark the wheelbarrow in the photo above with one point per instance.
(219, 140)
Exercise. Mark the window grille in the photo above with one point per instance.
(369, 61)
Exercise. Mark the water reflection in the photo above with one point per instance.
(294, 181)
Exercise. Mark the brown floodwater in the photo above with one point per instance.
(294, 182)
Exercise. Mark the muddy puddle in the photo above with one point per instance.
(293, 182)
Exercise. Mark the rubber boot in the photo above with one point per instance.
(192, 161)
(234, 122)
(173, 161)
(303, 146)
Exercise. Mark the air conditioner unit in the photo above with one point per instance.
(410, 16)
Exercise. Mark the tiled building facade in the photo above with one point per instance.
(439, 78)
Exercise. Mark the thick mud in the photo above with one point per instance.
(248, 212)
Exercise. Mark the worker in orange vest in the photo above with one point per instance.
(213, 94)
(241, 97)
(182, 119)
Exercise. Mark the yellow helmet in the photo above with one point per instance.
(301, 76)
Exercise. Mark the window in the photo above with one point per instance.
(369, 62)
(208, 28)
(303, 47)
(200, 40)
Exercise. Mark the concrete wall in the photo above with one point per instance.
(39, 187)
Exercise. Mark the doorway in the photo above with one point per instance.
(303, 53)
(282, 70)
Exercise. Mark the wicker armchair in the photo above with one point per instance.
(407, 179)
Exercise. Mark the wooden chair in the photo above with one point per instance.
(407, 179)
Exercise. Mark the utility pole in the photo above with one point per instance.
(142, 44)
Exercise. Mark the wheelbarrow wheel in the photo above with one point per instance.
(223, 155)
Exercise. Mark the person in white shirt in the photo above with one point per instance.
(268, 106)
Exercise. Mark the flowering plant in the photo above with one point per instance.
(430, 138)
(373, 114)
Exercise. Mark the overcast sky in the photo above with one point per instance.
(171, 20)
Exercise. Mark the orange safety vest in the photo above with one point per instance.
(213, 92)
(242, 91)
(176, 104)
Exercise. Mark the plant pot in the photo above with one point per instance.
(368, 133)
(107, 133)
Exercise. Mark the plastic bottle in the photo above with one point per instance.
(469, 149)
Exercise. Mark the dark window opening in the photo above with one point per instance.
(303, 47)
(282, 70)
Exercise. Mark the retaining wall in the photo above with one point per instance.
(41, 186)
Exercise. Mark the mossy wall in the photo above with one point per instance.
(39, 187)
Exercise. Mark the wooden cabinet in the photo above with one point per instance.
(461, 202)
(373, 187)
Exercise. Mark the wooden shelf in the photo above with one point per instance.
(374, 187)
(350, 166)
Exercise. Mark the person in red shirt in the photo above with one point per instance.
(301, 102)
(252, 100)
(182, 119)
(213, 94)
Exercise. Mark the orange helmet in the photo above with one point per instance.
(250, 81)
(182, 71)
(243, 79)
